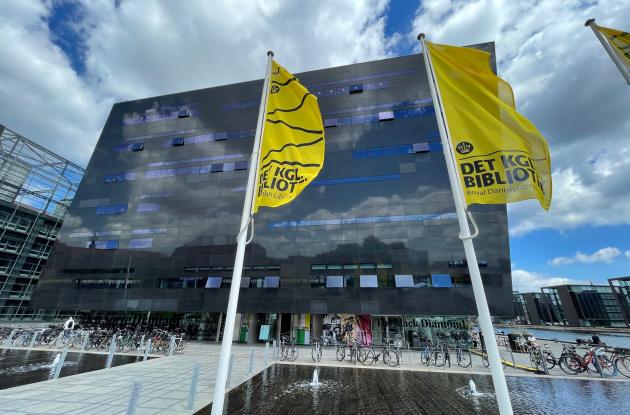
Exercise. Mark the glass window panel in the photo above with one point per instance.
(213, 282)
(216, 168)
(137, 147)
(177, 142)
(369, 281)
(272, 282)
(244, 282)
(421, 147)
(318, 266)
(356, 88)
(441, 280)
(330, 122)
(403, 281)
(368, 266)
(140, 243)
(335, 281)
(385, 115)
(241, 165)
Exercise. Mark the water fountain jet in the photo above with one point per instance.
(315, 380)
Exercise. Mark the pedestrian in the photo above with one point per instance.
(595, 339)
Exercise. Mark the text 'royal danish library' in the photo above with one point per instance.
(370, 247)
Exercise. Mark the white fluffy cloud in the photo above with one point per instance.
(627, 254)
(567, 85)
(606, 255)
(142, 48)
(526, 281)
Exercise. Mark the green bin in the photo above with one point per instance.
(300, 336)
(242, 336)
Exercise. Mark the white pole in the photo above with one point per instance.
(613, 55)
(485, 322)
(230, 317)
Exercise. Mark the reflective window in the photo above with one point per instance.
(112, 209)
(272, 282)
(404, 281)
(213, 282)
(441, 280)
(140, 243)
(369, 281)
(334, 281)
(111, 244)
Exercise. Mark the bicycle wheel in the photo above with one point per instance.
(551, 360)
(341, 354)
(463, 358)
(622, 363)
(316, 353)
(292, 354)
(571, 364)
(369, 357)
(438, 358)
(425, 356)
(391, 358)
(607, 367)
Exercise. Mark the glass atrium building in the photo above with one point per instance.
(372, 242)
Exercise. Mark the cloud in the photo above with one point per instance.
(606, 255)
(143, 48)
(526, 281)
(566, 84)
(627, 254)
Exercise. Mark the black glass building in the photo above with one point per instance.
(153, 225)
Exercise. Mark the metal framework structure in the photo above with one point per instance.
(36, 189)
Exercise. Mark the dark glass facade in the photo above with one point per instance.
(154, 222)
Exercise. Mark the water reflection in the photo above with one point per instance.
(21, 367)
(286, 389)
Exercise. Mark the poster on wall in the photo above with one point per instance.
(347, 327)
(363, 329)
(331, 328)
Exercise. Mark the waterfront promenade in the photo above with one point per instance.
(166, 381)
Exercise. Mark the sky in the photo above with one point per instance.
(64, 63)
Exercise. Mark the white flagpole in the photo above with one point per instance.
(613, 55)
(485, 322)
(230, 317)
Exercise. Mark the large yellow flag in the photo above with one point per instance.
(292, 150)
(620, 42)
(500, 155)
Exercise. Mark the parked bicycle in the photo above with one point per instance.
(316, 350)
(288, 350)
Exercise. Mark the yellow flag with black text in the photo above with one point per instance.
(620, 42)
(499, 154)
(292, 149)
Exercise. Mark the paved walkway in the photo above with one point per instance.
(165, 385)
(166, 381)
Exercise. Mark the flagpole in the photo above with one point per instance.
(230, 317)
(613, 55)
(485, 321)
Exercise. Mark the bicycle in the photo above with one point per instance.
(593, 360)
(425, 355)
(288, 351)
(390, 355)
(463, 356)
(621, 363)
(316, 350)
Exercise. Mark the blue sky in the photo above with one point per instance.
(65, 62)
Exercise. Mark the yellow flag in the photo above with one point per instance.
(500, 155)
(292, 150)
(620, 42)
